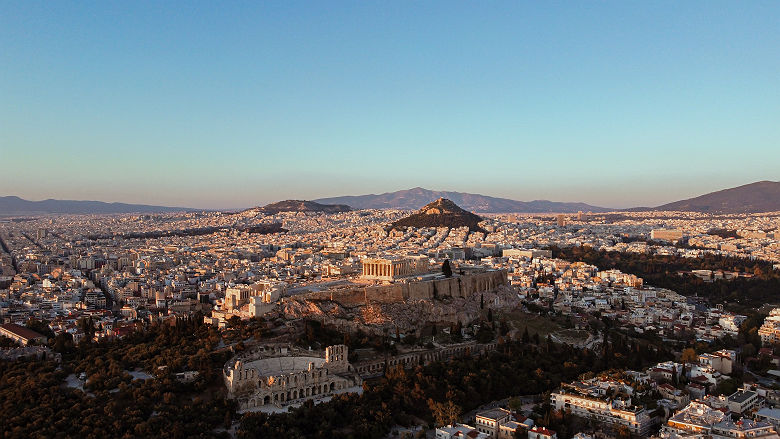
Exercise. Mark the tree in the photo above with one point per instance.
(446, 269)
(688, 356)
(622, 432)
(515, 404)
(444, 413)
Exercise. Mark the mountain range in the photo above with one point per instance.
(761, 196)
(17, 206)
(413, 199)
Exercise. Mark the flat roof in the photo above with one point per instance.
(741, 396)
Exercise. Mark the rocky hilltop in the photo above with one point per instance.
(303, 206)
(441, 213)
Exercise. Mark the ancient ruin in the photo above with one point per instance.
(279, 375)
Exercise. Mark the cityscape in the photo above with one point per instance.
(247, 221)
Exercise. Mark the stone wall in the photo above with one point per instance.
(376, 367)
(300, 379)
(456, 286)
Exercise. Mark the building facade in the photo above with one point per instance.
(392, 268)
(279, 375)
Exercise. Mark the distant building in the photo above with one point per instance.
(489, 421)
(392, 268)
(722, 361)
(743, 429)
(590, 401)
(459, 431)
(666, 234)
(20, 334)
(744, 401)
(696, 418)
(561, 220)
(772, 416)
(541, 433)
(526, 253)
(770, 330)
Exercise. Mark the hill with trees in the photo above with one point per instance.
(441, 213)
(303, 206)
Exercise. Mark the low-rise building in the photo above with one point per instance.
(744, 401)
(589, 401)
(459, 431)
(743, 429)
(20, 334)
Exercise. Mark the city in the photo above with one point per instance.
(386, 220)
(304, 306)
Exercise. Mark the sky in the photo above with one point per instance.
(235, 104)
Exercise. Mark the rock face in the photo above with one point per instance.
(441, 213)
(303, 206)
(406, 315)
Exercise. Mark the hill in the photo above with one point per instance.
(17, 206)
(413, 199)
(303, 206)
(441, 213)
(761, 196)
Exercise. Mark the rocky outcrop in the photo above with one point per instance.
(441, 213)
(406, 315)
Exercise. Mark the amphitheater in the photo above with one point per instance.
(278, 375)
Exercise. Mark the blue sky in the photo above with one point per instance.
(232, 104)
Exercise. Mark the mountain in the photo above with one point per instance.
(17, 206)
(303, 206)
(761, 196)
(440, 213)
(413, 199)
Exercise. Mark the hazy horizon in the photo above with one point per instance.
(221, 106)
(272, 200)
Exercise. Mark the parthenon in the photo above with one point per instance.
(392, 268)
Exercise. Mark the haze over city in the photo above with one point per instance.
(216, 105)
